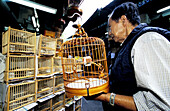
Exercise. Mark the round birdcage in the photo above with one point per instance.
(84, 64)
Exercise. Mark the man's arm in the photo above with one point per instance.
(126, 102)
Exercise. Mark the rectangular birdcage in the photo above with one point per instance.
(19, 95)
(69, 103)
(77, 103)
(18, 41)
(19, 67)
(57, 65)
(47, 46)
(58, 102)
(59, 43)
(44, 87)
(45, 105)
(58, 83)
(44, 66)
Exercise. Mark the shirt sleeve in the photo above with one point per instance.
(151, 59)
(146, 101)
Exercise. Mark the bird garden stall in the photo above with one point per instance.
(44, 66)
(58, 102)
(19, 95)
(58, 83)
(19, 67)
(18, 41)
(57, 65)
(85, 70)
(44, 87)
(47, 46)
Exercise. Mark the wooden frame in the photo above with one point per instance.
(19, 95)
(47, 46)
(19, 67)
(18, 41)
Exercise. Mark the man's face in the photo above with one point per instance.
(117, 30)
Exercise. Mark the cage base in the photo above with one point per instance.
(71, 92)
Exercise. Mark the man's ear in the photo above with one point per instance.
(124, 20)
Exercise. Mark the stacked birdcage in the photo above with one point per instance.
(69, 103)
(57, 65)
(44, 66)
(45, 105)
(58, 46)
(19, 67)
(47, 46)
(85, 70)
(44, 87)
(31, 75)
(19, 47)
(78, 103)
(58, 102)
(18, 41)
(19, 95)
(58, 83)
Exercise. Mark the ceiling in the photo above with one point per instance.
(96, 25)
(18, 16)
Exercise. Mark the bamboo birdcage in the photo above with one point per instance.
(44, 87)
(19, 95)
(18, 41)
(85, 70)
(19, 67)
(47, 46)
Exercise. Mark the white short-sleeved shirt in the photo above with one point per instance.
(151, 58)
